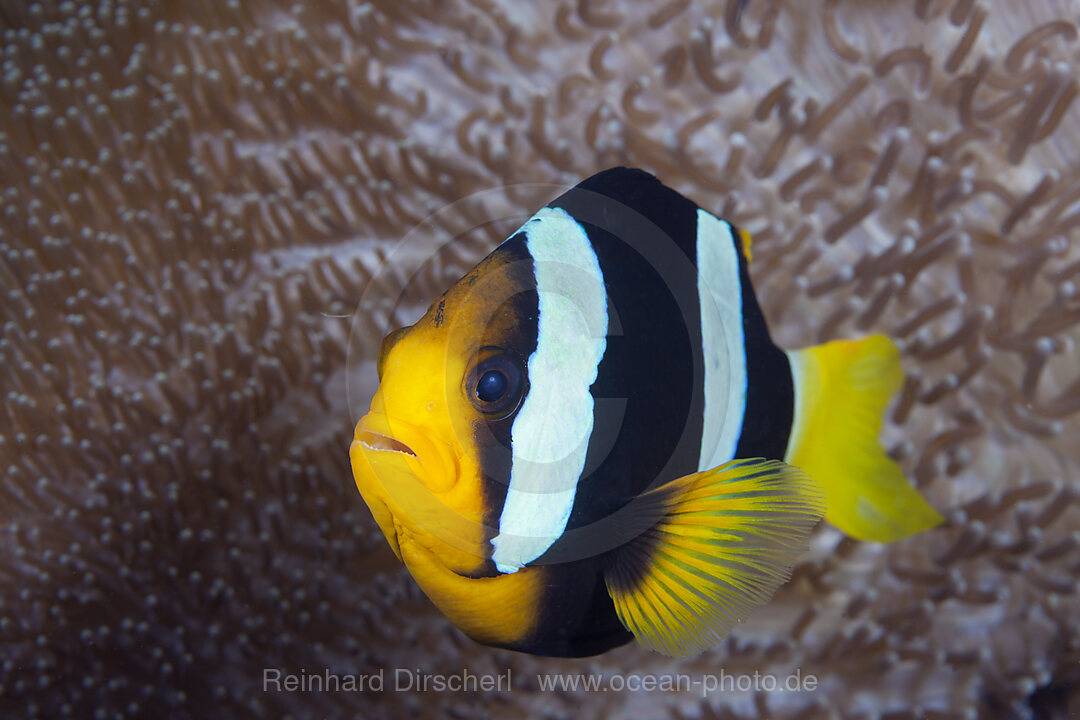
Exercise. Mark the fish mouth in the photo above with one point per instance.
(388, 471)
(382, 443)
(390, 442)
(402, 471)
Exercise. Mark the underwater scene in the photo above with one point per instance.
(585, 358)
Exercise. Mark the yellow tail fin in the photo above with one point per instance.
(841, 390)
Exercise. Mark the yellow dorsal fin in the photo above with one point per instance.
(726, 539)
(745, 241)
(841, 390)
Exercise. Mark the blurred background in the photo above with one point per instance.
(213, 211)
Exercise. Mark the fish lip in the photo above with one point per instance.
(378, 442)
(431, 458)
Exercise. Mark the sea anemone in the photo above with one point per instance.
(200, 248)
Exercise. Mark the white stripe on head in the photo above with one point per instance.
(722, 339)
(550, 435)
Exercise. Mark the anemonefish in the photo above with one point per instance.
(591, 437)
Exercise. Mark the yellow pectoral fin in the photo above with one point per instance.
(501, 610)
(725, 540)
(841, 390)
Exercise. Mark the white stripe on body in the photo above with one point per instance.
(551, 432)
(722, 339)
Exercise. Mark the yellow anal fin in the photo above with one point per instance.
(725, 540)
(841, 390)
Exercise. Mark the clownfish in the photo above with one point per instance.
(591, 438)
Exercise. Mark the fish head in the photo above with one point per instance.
(432, 456)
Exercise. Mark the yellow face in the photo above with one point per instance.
(428, 456)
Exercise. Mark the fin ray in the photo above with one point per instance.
(724, 541)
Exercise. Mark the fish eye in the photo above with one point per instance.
(491, 386)
(496, 385)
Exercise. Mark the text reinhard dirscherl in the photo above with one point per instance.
(465, 680)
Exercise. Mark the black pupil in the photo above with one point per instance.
(492, 386)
